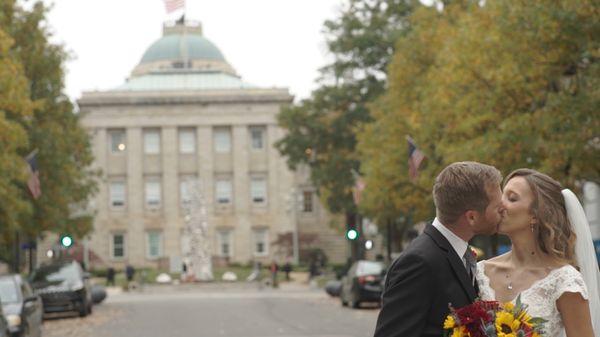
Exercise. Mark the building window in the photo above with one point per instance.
(222, 139)
(258, 190)
(117, 141)
(153, 194)
(223, 191)
(154, 245)
(118, 246)
(307, 201)
(261, 242)
(187, 141)
(224, 243)
(257, 135)
(151, 141)
(117, 194)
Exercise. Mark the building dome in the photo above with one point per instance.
(182, 48)
(177, 47)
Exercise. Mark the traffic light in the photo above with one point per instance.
(66, 241)
(351, 234)
(369, 244)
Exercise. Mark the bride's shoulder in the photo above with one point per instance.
(495, 263)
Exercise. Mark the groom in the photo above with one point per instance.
(438, 268)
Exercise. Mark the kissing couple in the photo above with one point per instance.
(551, 266)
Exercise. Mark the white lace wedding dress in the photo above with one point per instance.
(542, 295)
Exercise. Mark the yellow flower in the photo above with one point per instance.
(508, 306)
(460, 331)
(449, 323)
(506, 324)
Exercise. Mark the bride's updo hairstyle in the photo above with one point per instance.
(554, 235)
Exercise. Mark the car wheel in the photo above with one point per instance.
(84, 310)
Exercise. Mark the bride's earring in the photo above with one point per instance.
(532, 228)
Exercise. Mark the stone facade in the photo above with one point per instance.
(139, 214)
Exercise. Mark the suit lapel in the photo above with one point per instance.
(460, 273)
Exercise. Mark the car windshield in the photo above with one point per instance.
(8, 291)
(369, 268)
(55, 273)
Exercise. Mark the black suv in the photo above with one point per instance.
(64, 287)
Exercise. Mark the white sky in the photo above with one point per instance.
(269, 42)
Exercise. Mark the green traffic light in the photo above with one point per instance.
(352, 234)
(66, 241)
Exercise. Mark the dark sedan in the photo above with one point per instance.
(362, 283)
(22, 308)
(64, 287)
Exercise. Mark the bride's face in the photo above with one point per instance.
(517, 198)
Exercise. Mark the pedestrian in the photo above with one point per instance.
(274, 270)
(184, 269)
(312, 269)
(287, 268)
(129, 274)
(110, 276)
(437, 269)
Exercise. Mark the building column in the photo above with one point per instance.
(170, 191)
(241, 193)
(135, 238)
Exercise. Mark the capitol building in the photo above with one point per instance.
(183, 115)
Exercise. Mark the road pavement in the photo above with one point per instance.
(215, 310)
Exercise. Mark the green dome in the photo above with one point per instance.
(170, 47)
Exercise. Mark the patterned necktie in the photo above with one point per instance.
(471, 265)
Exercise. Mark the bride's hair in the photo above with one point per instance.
(555, 235)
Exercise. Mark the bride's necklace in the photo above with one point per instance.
(509, 286)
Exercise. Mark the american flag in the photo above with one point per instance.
(173, 5)
(33, 183)
(415, 158)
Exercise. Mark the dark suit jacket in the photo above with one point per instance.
(420, 284)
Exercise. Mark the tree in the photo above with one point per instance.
(497, 83)
(322, 129)
(15, 111)
(52, 127)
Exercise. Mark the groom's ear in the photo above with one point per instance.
(471, 217)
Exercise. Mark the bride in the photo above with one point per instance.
(552, 263)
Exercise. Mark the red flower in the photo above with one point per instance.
(475, 315)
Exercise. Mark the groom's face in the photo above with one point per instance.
(487, 222)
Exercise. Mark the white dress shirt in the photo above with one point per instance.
(460, 246)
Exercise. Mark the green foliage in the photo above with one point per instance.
(322, 129)
(508, 84)
(39, 116)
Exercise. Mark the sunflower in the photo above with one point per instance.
(525, 318)
(506, 324)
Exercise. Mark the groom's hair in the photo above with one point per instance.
(462, 186)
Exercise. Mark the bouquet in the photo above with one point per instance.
(492, 319)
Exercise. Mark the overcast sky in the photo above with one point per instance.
(269, 42)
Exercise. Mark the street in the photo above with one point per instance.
(236, 310)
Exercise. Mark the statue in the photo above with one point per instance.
(196, 233)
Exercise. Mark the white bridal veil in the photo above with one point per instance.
(585, 254)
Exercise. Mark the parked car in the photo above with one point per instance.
(64, 287)
(3, 324)
(22, 307)
(362, 283)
